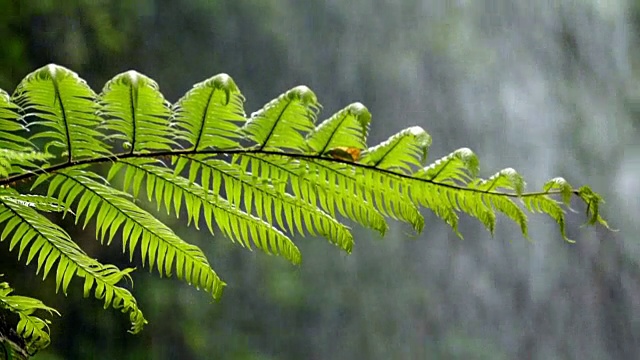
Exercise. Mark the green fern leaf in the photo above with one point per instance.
(559, 184)
(294, 178)
(17, 154)
(158, 243)
(399, 152)
(65, 107)
(38, 202)
(506, 179)
(445, 200)
(460, 166)
(50, 244)
(33, 329)
(434, 198)
(473, 204)
(593, 201)
(19, 162)
(171, 191)
(209, 114)
(511, 210)
(382, 190)
(244, 188)
(330, 196)
(137, 113)
(545, 204)
(283, 123)
(346, 128)
(10, 125)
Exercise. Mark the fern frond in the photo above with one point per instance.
(209, 114)
(560, 184)
(38, 202)
(435, 199)
(292, 178)
(347, 128)
(65, 107)
(328, 181)
(18, 162)
(11, 126)
(243, 188)
(509, 208)
(330, 196)
(593, 201)
(134, 109)
(17, 153)
(159, 245)
(386, 191)
(505, 179)
(172, 191)
(449, 185)
(458, 167)
(284, 122)
(50, 244)
(472, 204)
(546, 205)
(33, 329)
(399, 152)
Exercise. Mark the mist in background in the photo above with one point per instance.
(550, 88)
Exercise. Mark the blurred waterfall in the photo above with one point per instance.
(542, 86)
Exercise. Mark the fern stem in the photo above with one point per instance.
(159, 154)
(134, 128)
(335, 130)
(273, 129)
(201, 131)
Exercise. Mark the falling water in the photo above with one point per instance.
(542, 86)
